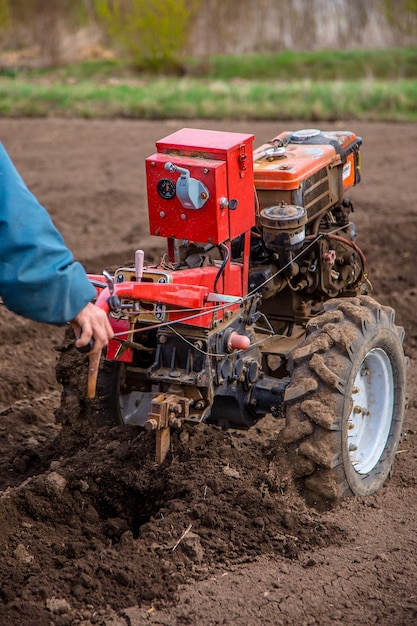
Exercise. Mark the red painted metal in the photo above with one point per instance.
(223, 163)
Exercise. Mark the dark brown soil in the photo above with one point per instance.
(93, 532)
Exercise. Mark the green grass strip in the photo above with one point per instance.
(187, 98)
(389, 64)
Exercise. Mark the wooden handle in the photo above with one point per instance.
(93, 366)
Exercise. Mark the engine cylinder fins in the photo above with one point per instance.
(283, 226)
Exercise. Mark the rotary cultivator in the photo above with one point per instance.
(259, 306)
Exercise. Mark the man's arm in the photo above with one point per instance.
(39, 278)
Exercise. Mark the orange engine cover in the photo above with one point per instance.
(309, 168)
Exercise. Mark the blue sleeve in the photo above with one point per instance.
(39, 278)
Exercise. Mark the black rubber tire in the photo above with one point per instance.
(116, 406)
(352, 338)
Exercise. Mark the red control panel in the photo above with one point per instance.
(200, 186)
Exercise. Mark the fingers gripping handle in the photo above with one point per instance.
(112, 302)
(86, 349)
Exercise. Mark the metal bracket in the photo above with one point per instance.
(167, 409)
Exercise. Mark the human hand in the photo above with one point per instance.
(92, 323)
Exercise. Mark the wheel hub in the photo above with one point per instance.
(369, 423)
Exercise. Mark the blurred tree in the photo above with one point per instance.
(402, 14)
(5, 18)
(158, 34)
(151, 32)
(5, 15)
(42, 23)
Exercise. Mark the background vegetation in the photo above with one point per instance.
(217, 58)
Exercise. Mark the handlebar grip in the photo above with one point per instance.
(87, 348)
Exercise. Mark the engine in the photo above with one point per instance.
(303, 246)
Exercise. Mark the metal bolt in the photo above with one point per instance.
(352, 447)
(355, 389)
(151, 424)
(360, 409)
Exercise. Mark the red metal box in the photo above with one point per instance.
(220, 166)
